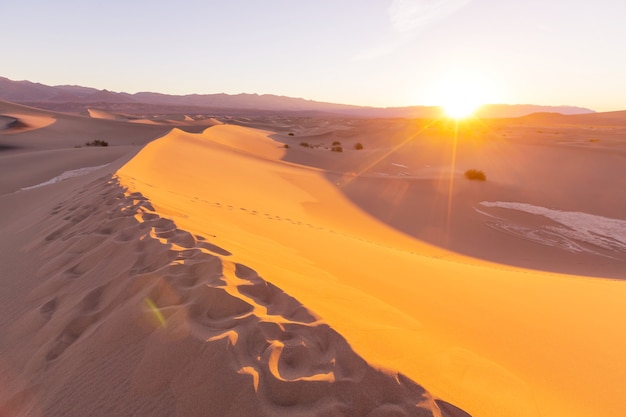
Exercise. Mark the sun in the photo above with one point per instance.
(461, 96)
(461, 100)
(461, 107)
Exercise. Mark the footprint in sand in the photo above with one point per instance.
(48, 309)
(70, 334)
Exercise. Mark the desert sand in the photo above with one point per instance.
(226, 269)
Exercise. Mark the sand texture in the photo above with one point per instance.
(233, 270)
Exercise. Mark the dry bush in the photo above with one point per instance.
(97, 142)
(475, 174)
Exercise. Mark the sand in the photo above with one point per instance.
(222, 273)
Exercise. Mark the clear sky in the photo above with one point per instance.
(368, 52)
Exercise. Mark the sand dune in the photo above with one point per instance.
(6, 122)
(110, 308)
(15, 122)
(492, 339)
(159, 120)
(107, 115)
(54, 143)
(101, 114)
(222, 273)
(173, 326)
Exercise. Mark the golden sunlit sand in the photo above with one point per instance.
(231, 270)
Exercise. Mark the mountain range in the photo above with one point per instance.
(77, 99)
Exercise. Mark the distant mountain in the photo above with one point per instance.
(613, 118)
(72, 98)
(21, 91)
(519, 110)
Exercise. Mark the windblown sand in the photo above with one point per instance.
(222, 273)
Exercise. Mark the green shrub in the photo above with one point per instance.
(474, 174)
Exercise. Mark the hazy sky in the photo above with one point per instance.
(368, 52)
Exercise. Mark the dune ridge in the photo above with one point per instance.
(127, 299)
(493, 339)
(21, 122)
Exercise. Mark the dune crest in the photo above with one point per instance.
(22, 122)
(166, 320)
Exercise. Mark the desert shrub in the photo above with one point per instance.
(336, 143)
(286, 146)
(475, 174)
(336, 149)
(97, 142)
(358, 146)
(305, 144)
(290, 133)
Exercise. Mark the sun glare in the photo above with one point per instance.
(460, 97)
(460, 108)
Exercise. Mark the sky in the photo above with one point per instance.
(382, 53)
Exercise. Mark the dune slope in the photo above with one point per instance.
(494, 340)
(127, 314)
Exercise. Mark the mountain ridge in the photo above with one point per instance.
(75, 98)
